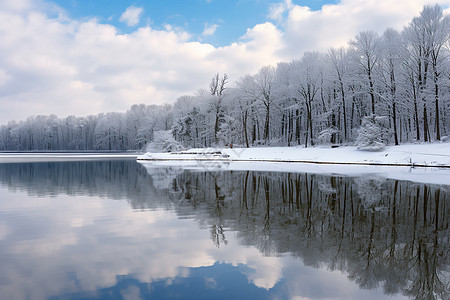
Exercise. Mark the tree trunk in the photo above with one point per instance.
(266, 125)
(344, 111)
(297, 126)
(310, 125)
(394, 100)
(436, 95)
(216, 126)
(416, 119)
(244, 124)
(307, 126)
(425, 122)
(371, 92)
(333, 124)
(372, 96)
(394, 119)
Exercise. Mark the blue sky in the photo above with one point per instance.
(232, 17)
(82, 57)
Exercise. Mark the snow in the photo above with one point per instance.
(207, 154)
(430, 155)
(427, 163)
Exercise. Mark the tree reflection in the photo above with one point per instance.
(388, 233)
(380, 232)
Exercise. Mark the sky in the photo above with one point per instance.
(84, 57)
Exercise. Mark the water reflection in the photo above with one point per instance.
(380, 233)
(388, 233)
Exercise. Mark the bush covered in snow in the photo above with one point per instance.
(163, 141)
(328, 135)
(370, 134)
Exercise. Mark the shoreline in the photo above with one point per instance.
(413, 165)
(426, 163)
(435, 155)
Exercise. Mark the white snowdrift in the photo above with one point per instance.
(399, 162)
(413, 155)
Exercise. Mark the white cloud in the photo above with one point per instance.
(131, 16)
(277, 10)
(335, 24)
(209, 29)
(3, 77)
(63, 66)
(16, 5)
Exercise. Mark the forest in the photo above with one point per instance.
(394, 87)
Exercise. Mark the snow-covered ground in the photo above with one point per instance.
(405, 162)
(430, 155)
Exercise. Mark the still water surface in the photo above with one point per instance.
(119, 230)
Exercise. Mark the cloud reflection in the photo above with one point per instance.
(72, 237)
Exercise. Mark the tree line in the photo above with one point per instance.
(106, 131)
(394, 86)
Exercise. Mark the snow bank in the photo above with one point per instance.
(207, 154)
(399, 162)
(416, 155)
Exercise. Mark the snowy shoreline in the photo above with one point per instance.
(398, 163)
(412, 155)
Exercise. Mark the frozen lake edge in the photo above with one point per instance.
(425, 163)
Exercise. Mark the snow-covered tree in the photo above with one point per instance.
(163, 141)
(338, 66)
(370, 134)
(366, 53)
(306, 82)
(217, 90)
(264, 81)
(402, 76)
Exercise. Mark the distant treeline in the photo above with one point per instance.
(396, 84)
(112, 131)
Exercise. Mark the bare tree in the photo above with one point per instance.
(307, 77)
(217, 89)
(389, 62)
(338, 60)
(367, 54)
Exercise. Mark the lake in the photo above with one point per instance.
(118, 229)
